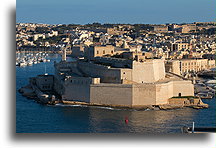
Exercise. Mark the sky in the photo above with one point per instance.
(115, 11)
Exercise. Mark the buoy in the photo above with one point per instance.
(126, 120)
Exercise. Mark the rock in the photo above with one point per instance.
(169, 107)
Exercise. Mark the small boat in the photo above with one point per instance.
(186, 129)
(29, 63)
(205, 95)
(194, 129)
(22, 64)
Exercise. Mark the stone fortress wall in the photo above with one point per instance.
(90, 90)
(148, 71)
(143, 84)
(138, 94)
(77, 89)
(140, 72)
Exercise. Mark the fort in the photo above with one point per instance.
(109, 81)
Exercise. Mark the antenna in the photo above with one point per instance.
(45, 70)
(193, 128)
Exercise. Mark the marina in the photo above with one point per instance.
(205, 88)
(23, 59)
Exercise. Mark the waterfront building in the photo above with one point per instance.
(184, 66)
(118, 82)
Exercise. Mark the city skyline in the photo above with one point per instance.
(132, 12)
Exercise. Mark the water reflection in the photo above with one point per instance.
(139, 121)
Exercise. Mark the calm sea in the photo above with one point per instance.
(32, 117)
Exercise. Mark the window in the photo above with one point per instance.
(97, 52)
(103, 51)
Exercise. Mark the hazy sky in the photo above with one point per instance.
(114, 11)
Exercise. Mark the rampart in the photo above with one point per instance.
(131, 95)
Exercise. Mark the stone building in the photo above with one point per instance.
(180, 46)
(115, 31)
(139, 56)
(160, 28)
(98, 51)
(184, 66)
(173, 66)
(44, 82)
(78, 50)
(119, 82)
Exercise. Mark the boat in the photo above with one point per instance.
(22, 64)
(198, 130)
(194, 129)
(29, 63)
(30, 59)
(205, 95)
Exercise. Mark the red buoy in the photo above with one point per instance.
(126, 120)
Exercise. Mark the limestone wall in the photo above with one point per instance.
(58, 86)
(77, 89)
(164, 91)
(111, 94)
(126, 74)
(107, 75)
(99, 51)
(183, 88)
(173, 66)
(125, 94)
(159, 69)
(148, 71)
(141, 72)
(44, 82)
(185, 101)
(143, 94)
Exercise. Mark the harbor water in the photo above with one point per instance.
(32, 117)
